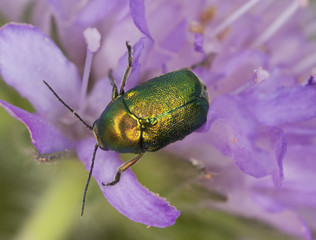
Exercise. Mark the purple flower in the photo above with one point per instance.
(259, 140)
(27, 57)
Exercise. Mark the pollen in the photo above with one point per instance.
(208, 176)
(234, 140)
(208, 15)
(196, 29)
(205, 18)
(223, 34)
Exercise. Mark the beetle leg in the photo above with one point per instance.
(123, 168)
(128, 68)
(114, 90)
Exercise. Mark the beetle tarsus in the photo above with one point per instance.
(123, 168)
(116, 180)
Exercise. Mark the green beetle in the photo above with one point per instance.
(149, 116)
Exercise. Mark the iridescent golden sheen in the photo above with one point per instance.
(163, 94)
(154, 114)
(117, 129)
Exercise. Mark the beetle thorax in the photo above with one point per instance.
(117, 129)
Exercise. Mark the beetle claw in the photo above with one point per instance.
(116, 180)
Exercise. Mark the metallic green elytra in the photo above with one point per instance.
(154, 114)
(148, 117)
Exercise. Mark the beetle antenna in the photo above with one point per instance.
(88, 180)
(67, 106)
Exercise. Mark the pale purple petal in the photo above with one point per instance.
(97, 10)
(45, 137)
(237, 68)
(269, 82)
(176, 37)
(13, 10)
(87, 14)
(42, 16)
(128, 196)
(73, 17)
(137, 9)
(257, 150)
(198, 42)
(302, 171)
(296, 193)
(266, 202)
(204, 128)
(302, 133)
(285, 198)
(66, 10)
(290, 57)
(99, 97)
(70, 34)
(305, 229)
(286, 105)
(27, 57)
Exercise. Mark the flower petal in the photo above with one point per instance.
(96, 10)
(237, 69)
(175, 38)
(14, 9)
(137, 9)
(65, 9)
(257, 150)
(198, 43)
(286, 105)
(27, 57)
(98, 99)
(45, 137)
(128, 196)
(296, 192)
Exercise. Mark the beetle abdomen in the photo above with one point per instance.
(175, 125)
(163, 94)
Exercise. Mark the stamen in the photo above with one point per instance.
(237, 14)
(261, 75)
(305, 64)
(279, 22)
(92, 38)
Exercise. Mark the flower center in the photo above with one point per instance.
(279, 22)
(235, 16)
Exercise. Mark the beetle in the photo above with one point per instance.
(148, 117)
